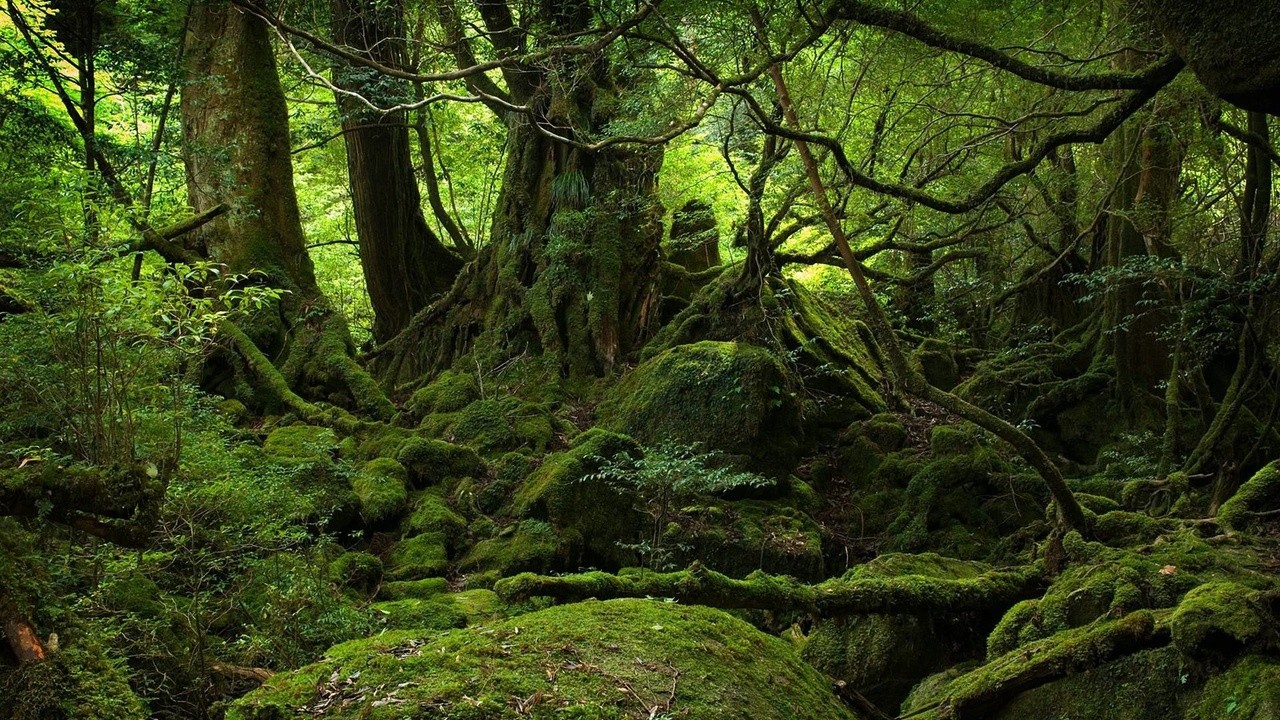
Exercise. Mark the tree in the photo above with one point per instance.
(405, 265)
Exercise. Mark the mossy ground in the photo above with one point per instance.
(617, 659)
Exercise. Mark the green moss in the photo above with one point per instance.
(958, 439)
(742, 536)
(886, 431)
(438, 613)
(1261, 492)
(380, 485)
(937, 362)
(432, 514)
(529, 546)
(565, 492)
(383, 441)
(419, 589)
(431, 462)
(885, 655)
(1217, 618)
(599, 660)
(727, 397)
(358, 571)
(418, 557)
(300, 443)
(1250, 690)
(449, 392)
(495, 426)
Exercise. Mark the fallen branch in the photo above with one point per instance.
(22, 637)
(909, 594)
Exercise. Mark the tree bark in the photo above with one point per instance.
(237, 152)
(405, 265)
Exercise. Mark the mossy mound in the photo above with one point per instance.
(726, 397)
(598, 660)
(380, 485)
(527, 546)
(431, 514)
(495, 426)
(442, 611)
(885, 655)
(738, 537)
(356, 571)
(449, 392)
(300, 444)
(431, 462)
(564, 492)
(418, 557)
(937, 362)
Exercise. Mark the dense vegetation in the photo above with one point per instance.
(639, 359)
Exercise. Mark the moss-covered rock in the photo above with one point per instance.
(300, 444)
(381, 486)
(937, 361)
(727, 397)
(437, 613)
(431, 462)
(1216, 619)
(431, 514)
(885, 655)
(605, 660)
(419, 589)
(528, 546)
(738, 537)
(495, 425)
(565, 492)
(449, 392)
(357, 571)
(421, 556)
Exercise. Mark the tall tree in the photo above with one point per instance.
(405, 265)
(237, 153)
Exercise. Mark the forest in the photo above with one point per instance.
(639, 359)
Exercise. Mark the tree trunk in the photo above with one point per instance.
(236, 151)
(572, 266)
(405, 265)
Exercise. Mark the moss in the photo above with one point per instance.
(937, 362)
(1260, 492)
(885, 655)
(958, 439)
(727, 397)
(233, 410)
(740, 537)
(1121, 526)
(300, 443)
(886, 431)
(479, 605)
(432, 514)
(495, 426)
(380, 485)
(358, 571)
(384, 441)
(529, 546)
(431, 462)
(1148, 685)
(420, 589)
(1250, 690)
(1217, 618)
(600, 660)
(438, 613)
(449, 392)
(418, 557)
(565, 492)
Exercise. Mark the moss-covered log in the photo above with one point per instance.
(986, 690)
(995, 590)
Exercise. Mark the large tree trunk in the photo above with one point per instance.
(237, 152)
(571, 269)
(405, 265)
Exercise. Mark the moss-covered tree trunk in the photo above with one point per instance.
(405, 265)
(572, 265)
(236, 151)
